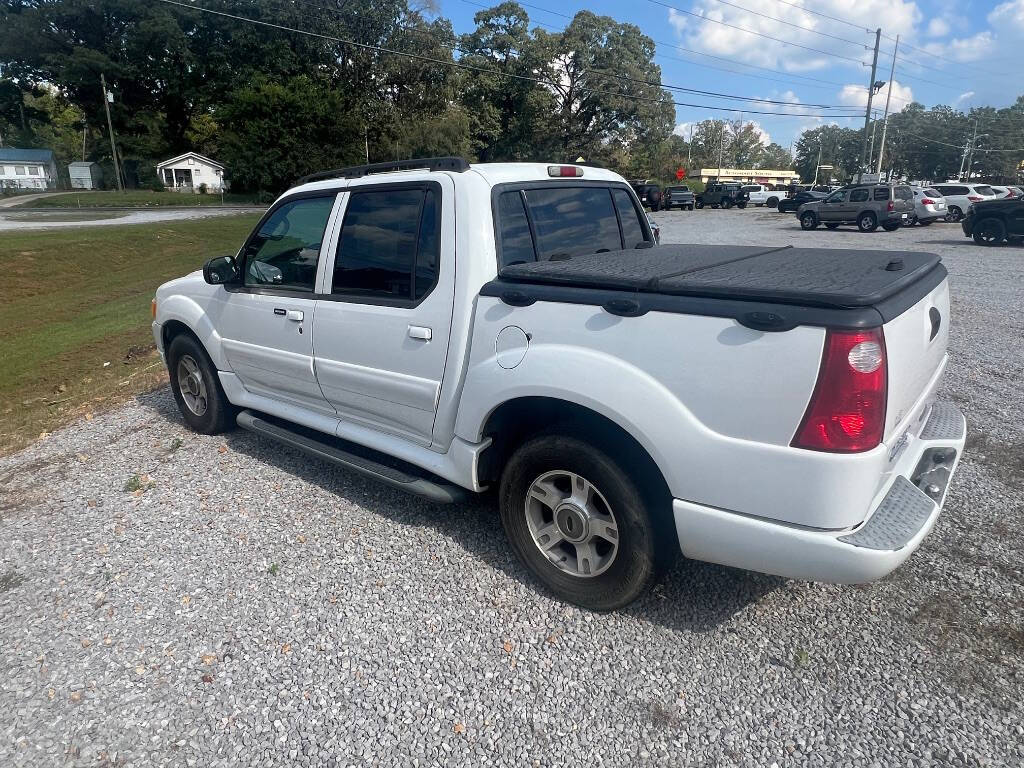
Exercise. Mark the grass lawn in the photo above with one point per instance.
(134, 198)
(76, 315)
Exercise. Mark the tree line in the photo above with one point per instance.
(383, 80)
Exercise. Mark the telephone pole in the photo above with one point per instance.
(970, 152)
(888, 95)
(113, 147)
(867, 111)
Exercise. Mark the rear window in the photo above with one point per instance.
(566, 221)
(933, 193)
(984, 190)
(678, 189)
(903, 193)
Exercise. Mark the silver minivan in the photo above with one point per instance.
(866, 205)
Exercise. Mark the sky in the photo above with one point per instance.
(963, 54)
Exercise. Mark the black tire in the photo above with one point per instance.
(925, 222)
(646, 543)
(714, 205)
(867, 222)
(727, 203)
(832, 225)
(990, 231)
(772, 202)
(690, 207)
(808, 220)
(891, 226)
(954, 213)
(218, 414)
(741, 204)
(699, 205)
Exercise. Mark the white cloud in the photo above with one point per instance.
(857, 96)
(762, 134)
(677, 20)
(683, 129)
(963, 97)
(901, 16)
(937, 27)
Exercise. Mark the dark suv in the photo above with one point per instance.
(649, 194)
(992, 222)
(722, 195)
(866, 205)
(678, 197)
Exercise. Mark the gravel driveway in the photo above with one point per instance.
(62, 218)
(245, 605)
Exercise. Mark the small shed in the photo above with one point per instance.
(85, 175)
(190, 171)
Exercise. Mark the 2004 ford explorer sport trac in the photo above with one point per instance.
(448, 328)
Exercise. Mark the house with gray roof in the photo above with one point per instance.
(27, 168)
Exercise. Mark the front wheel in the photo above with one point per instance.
(989, 232)
(808, 221)
(741, 204)
(580, 523)
(196, 387)
(727, 203)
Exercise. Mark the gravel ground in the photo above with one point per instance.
(13, 219)
(247, 606)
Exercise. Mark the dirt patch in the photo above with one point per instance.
(10, 579)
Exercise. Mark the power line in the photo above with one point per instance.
(794, 25)
(958, 146)
(459, 65)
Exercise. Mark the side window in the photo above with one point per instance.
(516, 241)
(903, 193)
(285, 250)
(858, 195)
(389, 244)
(632, 229)
(573, 220)
(837, 197)
(881, 193)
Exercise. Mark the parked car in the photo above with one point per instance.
(960, 197)
(722, 195)
(446, 332)
(792, 204)
(1003, 192)
(929, 206)
(649, 194)
(762, 194)
(679, 196)
(866, 205)
(993, 222)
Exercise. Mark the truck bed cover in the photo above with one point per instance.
(886, 283)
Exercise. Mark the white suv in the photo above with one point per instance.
(960, 197)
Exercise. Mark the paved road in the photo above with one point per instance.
(59, 218)
(250, 606)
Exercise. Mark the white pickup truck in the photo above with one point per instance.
(762, 194)
(448, 328)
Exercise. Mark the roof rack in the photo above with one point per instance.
(455, 164)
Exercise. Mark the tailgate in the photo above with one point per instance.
(915, 345)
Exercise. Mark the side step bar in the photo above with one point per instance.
(436, 490)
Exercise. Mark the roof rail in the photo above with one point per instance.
(455, 164)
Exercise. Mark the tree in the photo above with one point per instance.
(775, 157)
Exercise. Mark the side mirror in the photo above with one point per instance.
(221, 270)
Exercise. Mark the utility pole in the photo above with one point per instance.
(867, 111)
(689, 149)
(817, 165)
(107, 96)
(721, 148)
(888, 96)
(970, 152)
(871, 151)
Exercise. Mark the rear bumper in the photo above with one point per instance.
(901, 516)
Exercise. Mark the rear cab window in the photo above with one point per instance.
(537, 222)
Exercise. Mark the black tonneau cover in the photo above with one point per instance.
(882, 284)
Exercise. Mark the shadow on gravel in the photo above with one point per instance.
(693, 596)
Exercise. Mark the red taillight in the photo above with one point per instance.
(975, 198)
(927, 201)
(564, 170)
(891, 206)
(847, 410)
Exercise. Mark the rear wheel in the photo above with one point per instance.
(581, 524)
(772, 202)
(727, 203)
(196, 387)
(891, 226)
(741, 204)
(808, 220)
(699, 204)
(832, 225)
(989, 231)
(954, 213)
(867, 222)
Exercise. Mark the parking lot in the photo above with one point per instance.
(175, 599)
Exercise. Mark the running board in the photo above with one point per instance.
(435, 490)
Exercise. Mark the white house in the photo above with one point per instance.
(189, 171)
(27, 168)
(85, 175)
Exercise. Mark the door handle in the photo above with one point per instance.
(295, 315)
(419, 332)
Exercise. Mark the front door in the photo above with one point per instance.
(266, 323)
(832, 208)
(382, 328)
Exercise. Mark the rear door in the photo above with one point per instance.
(858, 202)
(385, 314)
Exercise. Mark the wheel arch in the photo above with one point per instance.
(517, 419)
(180, 314)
